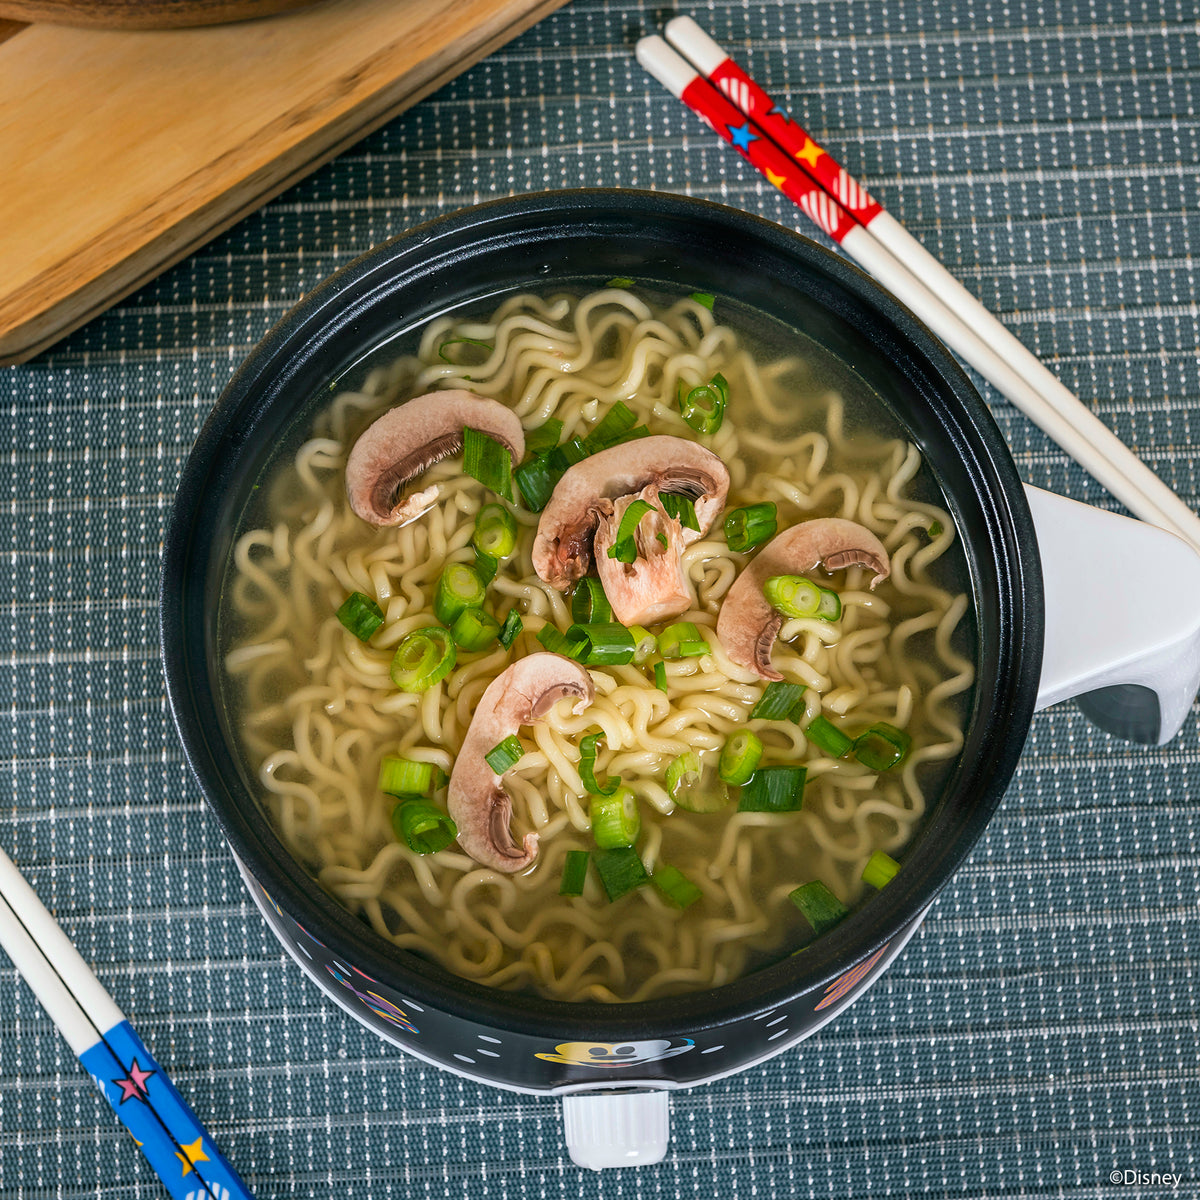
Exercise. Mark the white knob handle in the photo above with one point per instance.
(617, 1129)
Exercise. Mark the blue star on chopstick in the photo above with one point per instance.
(741, 136)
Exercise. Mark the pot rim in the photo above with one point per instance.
(347, 297)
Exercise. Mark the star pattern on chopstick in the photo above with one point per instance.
(133, 1086)
(776, 180)
(191, 1154)
(741, 136)
(809, 152)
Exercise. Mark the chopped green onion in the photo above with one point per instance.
(485, 567)
(681, 640)
(740, 757)
(792, 595)
(458, 589)
(545, 437)
(825, 735)
(675, 886)
(474, 629)
(619, 282)
(703, 407)
(615, 423)
(608, 644)
(681, 507)
(536, 479)
(574, 874)
(589, 604)
(360, 614)
(880, 870)
(423, 827)
(461, 341)
(404, 777)
(557, 642)
(779, 702)
(660, 677)
(504, 755)
(488, 461)
(425, 657)
(587, 768)
(615, 819)
(774, 789)
(882, 747)
(694, 786)
(661, 538)
(632, 435)
(572, 451)
(644, 643)
(821, 908)
(703, 298)
(748, 527)
(511, 629)
(620, 871)
(936, 529)
(495, 531)
(831, 605)
(624, 547)
(683, 770)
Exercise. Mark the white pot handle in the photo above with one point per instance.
(617, 1128)
(1122, 618)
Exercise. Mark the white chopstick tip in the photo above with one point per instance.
(694, 44)
(672, 71)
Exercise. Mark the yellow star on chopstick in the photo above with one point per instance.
(776, 180)
(809, 152)
(191, 1155)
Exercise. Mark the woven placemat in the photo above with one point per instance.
(1037, 1037)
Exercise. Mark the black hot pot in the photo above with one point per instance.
(615, 1065)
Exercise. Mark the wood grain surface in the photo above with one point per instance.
(143, 14)
(126, 151)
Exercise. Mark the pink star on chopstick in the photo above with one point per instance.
(134, 1086)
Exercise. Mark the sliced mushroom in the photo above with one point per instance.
(477, 801)
(410, 438)
(747, 625)
(653, 587)
(585, 494)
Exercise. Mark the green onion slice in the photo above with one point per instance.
(740, 757)
(405, 777)
(704, 298)
(882, 747)
(748, 527)
(620, 871)
(474, 629)
(485, 567)
(360, 614)
(608, 644)
(505, 755)
(674, 886)
(488, 461)
(615, 819)
(703, 407)
(645, 643)
(495, 531)
(572, 451)
(936, 529)
(821, 908)
(574, 874)
(589, 604)
(536, 479)
(545, 437)
(511, 629)
(425, 828)
(825, 735)
(695, 786)
(425, 657)
(615, 423)
(660, 677)
(681, 507)
(461, 341)
(774, 789)
(557, 642)
(831, 605)
(780, 701)
(880, 870)
(458, 589)
(681, 640)
(793, 595)
(624, 547)
(619, 282)
(587, 768)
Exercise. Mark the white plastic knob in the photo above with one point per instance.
(617, 1129)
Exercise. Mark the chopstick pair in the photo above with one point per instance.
(715, 88)
(166, 1130)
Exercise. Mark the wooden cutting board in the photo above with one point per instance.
(123, 152)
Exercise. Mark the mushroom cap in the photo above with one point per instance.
(477, 801)
(395, 448)
(747, 625)
(584, 495)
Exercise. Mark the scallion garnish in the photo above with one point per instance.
(880, 870)
(740, 757)
(695, 787)
(360, 615)
(620, 871)
(545, 437)
(615, 819)
(619, 282)
(780, 701)
(674, 886)
(681, 640)
(774, 789)
(683, 770)
(936, 529)
(536, 479)
(461, 341)
(488, 461)
(557, 642)
(703, 407)
(504, 755)
(425, 657)
(589, 604)
(458, 589)
(825, 735)
(615, 423)
(573, 450)
(485, 567)
(425, 828)
(574, 874)
(405, 777)
(587, 768)
(681, 507)
(748, 527)
(645, 643)
(511, 629)
(660, 677)
(821, 908)
(624, 547)
(882, 747)
(792, 595)
(495, 531)
(608, 644)
(703, 298)
(474, 629)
